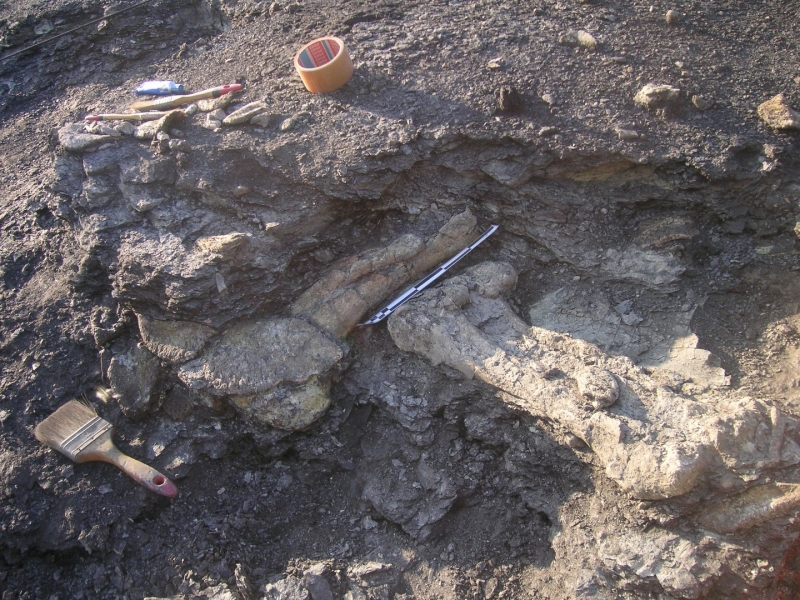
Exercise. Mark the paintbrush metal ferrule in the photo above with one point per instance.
(73, 445)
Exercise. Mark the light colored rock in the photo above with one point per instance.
(598, 386)
(288, 124)
(45, 26)
(657, 96)
(626, 135)
(318, 586)
(255, 356)
(290, 588)
(660, 231)
(219, 281)
(125, 128)
(211, 104)
(702, 103)
(654, 269)
(672, 17)
(132, 376)
(660, 555)
(549, 99)
(73, 137)
(339, 300)
(100, 128)
(174, 341)
(263, 119)
(222, 245)
(777, 113)
(211, 124)
(751, 508)
(150, 129)
(655, 443)
(244, 114)
(216, 115)
(288, 408)
(581, 38)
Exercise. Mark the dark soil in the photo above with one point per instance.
(257, 506)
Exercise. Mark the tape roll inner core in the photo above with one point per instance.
(318, 53)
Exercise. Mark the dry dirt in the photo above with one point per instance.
(416, 482)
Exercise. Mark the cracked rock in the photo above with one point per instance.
(655, 443)
(777, 113)
(255, 356)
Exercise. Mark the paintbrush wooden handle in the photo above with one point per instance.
(143, 474)
(103, 449)
(175, 101)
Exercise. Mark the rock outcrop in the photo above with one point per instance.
(655, 441)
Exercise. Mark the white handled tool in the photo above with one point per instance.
(426, 281)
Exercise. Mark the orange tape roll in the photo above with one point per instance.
(324, 65)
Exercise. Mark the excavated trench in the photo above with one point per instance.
(599, 401)
(231, 320)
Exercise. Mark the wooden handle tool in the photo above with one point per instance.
(78, 433)
(175, 101)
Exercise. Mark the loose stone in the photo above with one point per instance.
(777, 113)
(74, 138)
(626, 135)
(654, 95)
(244, 114)
(580, 38)
(672, 17)
(701, 103)
(211, 123)
(288, 124)
(262, 120)
(508, 99)
(215, 103)
(125, 128)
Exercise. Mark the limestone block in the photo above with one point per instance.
(289, 408)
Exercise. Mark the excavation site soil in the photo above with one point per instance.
(600, 400)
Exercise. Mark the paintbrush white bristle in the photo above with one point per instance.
(63, 423)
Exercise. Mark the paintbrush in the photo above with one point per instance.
(145, 116)
(78, 433)
(175, 101)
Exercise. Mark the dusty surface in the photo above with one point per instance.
(601, 401)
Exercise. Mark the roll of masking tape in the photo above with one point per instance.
(324, 65)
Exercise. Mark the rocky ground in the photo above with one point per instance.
(601, 401)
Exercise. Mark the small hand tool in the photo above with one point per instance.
(426, 281)
(175, 101)
(145, 116)
(78, 433)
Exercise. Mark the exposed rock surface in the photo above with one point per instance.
(633, 439)
(656, 442)
(343, 295)
(256, 356)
